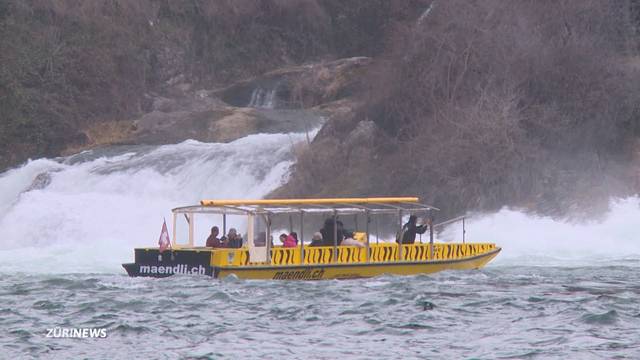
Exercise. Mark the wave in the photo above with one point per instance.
(528, 239)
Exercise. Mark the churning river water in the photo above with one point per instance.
(558, 290)
(506, 312)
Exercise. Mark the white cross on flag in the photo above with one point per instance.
(164, 241)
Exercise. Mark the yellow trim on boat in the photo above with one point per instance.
(320, 201)
(350, 271)
(379, 253)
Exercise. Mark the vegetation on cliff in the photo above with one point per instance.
(486, 103)
(66, 65)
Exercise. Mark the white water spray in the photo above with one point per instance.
(538, 240)
(98, 207)
(94, 208)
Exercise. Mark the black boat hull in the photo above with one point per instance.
(152, 263)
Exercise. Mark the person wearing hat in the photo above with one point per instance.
(316, 240)
(410, 229)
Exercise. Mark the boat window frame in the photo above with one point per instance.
(267, 211)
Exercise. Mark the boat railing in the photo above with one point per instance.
(452, 221)
(378, 253)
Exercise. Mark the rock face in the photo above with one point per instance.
(175, 120)
(218, 122)
(68, 65)
(292, 99)
(40, 182)
(298, 86)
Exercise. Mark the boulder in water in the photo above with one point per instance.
(41, 181)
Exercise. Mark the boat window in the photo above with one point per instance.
(181, 231)
(258, 239)
(203, 225)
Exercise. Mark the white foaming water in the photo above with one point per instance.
(94, 208)
(99, 205)
(537, 240)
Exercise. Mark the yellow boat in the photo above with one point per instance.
(258, 258)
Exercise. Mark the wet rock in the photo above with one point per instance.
(41, 181)
(363, 134)
(220, 124)
(240, 122)
(260, 105)
(297, 86)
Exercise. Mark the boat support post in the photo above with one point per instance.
(301, 237)
(367, 219)
(431, 233)
(191, 220)
(335, 236)
(267, 220)
(377, 230)
(464, 231)
(400, 240)
(174, 229)
(224, 224)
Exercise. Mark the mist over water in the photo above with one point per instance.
(528, 239)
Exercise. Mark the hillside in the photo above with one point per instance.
(472, 105)
(68, 65)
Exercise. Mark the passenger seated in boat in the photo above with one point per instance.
(283, 238)
(233, 239)
(348, 238)
(328, 235)
(316, 239)
(290, 240)
(410, 229)
(213, 240)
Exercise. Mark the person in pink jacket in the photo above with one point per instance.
(291, 240)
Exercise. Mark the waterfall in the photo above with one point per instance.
(264, 97)
(87, 212)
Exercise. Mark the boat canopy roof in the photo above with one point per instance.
(338, 206)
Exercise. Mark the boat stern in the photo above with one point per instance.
(149, 262)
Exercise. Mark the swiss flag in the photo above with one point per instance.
(164, 241)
